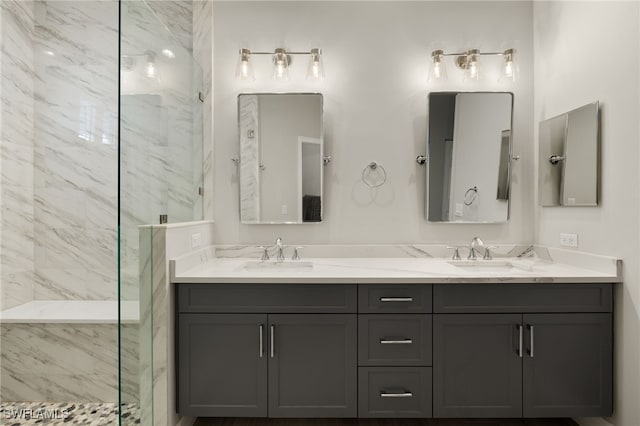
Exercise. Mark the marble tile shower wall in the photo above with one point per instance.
(76, 158)
(16, 152)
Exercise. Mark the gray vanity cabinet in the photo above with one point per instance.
(477, 370)
(252, 357)
(551, 358)
(312, 365)
(567, 367)
(222, 365)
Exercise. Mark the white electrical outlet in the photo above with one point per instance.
(284, 209)
(195, 240)
(569, 240)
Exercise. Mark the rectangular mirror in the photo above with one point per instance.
(469, 157)
(568, 158)
(281, 158)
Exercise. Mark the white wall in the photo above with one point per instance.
(587, 51)
(375, 99)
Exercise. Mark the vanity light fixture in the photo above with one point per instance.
(281, 61)
(469, 63)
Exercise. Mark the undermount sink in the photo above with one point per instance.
(483, 266)
(270, 265)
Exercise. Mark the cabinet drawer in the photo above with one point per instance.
(267, 298)
(394, 299)
(516, 298)
(394, 339)
(394, 392)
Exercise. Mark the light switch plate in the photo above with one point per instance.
(569, 240)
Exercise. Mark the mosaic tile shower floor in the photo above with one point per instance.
(65, 413)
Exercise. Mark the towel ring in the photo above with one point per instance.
(374, 175)
(468, 200)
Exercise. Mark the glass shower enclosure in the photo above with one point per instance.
(161, 132)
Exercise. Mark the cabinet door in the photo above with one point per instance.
(477, 369)
(312, 365)
(222, 371)
(568, 365)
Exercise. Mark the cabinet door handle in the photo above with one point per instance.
(520, 338)
(261, 340)
(396, 299)
(273, 340)
(401, 341)
(404, 394)
(531, 340)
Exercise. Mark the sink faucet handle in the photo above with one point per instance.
(296, 253)
(487, 252)
(456, 252)
(265, 253)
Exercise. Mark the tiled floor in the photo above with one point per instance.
(384, 422)
(64, 413)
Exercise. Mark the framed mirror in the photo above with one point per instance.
(281, 158)
(469, 146)
(568, 166)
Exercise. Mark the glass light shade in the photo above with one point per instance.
(244, 70)
(472, 70)
(437, 70)
(315, 70)
(509, 68)
(280, 65)
(150, 68)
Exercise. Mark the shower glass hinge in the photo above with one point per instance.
(164, 219)
(200, 191)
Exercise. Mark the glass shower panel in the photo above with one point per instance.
(161, 131)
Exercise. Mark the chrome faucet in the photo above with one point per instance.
(280, 254)
(475, 244)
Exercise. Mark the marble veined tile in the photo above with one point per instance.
(60, 362)
(73, 85)
(60, 207)
(17, 162)
(17, 229)
(61, 284)
(16, 287)
(177, 16)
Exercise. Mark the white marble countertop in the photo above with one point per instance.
(204, 267)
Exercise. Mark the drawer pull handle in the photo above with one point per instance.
(396, 299)
(405, 394)
(396, 341)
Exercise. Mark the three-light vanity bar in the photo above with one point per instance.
(469, 63)
(281, 58)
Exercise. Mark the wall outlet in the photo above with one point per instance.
(195, 240)
(459, 209)
(569, 240)
(284, 209)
